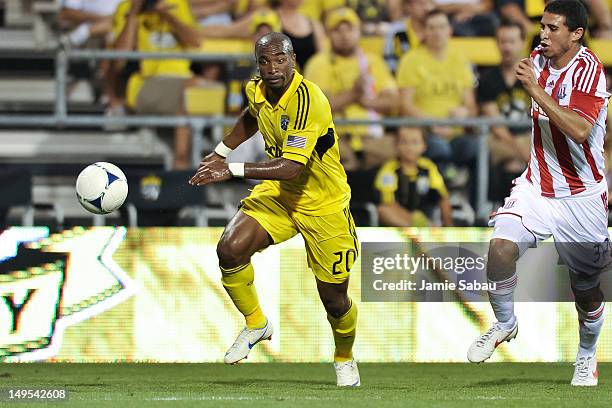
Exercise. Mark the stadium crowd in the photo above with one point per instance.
(416, 176)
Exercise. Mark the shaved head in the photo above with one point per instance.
(275, 61)
(274, 39)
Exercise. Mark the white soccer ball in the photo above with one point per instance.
(101, 188)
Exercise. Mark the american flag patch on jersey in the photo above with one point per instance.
(296, 141)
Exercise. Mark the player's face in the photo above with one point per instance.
(437, 31)
(510, 43)
(555, 37)
(275, 66)
(410, 144)
(344, 38)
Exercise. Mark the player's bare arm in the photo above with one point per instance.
(276, 169)
(569, 122)
(243, 130)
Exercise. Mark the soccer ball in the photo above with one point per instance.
(101, 188)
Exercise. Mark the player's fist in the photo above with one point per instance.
(526, 73)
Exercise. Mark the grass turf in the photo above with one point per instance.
(312, 385)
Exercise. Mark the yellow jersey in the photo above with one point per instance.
(300, 127)
(154, 35)
(439, 85)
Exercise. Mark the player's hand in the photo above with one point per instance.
(526, 74)
(211, 172)
(211, 157)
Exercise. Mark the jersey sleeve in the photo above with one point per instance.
(437, 181)
(588, 91)
(309, 118)
(385, 184)
(119, 19)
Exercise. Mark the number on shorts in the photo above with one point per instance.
(349, 259)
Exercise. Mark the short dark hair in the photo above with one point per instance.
(433, 13)
(511, 24)
(575, 13)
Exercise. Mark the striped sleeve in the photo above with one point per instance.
(309, 118)
(588, 87)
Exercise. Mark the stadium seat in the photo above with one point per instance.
(206, 100)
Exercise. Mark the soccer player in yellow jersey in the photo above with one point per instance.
(305, 191)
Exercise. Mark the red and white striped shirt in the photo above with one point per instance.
(560, 167)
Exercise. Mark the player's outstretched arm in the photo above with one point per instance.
(276, 169)
(569, 122)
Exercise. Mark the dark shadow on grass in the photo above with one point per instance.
(101, 385)
(263, 381)
(518, 381)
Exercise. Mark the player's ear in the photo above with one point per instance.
(577, 34)
(293, 59)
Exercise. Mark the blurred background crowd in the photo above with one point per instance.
(374, 59)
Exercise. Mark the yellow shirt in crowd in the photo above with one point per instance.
(335, 74)
(439, 85)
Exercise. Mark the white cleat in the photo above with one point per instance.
(347, 374)
(585, 372)
(483, 347)
(245, 342)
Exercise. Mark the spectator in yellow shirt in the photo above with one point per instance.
(158, 85)
(436, 81)
(359, 85)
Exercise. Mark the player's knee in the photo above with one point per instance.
(336, 306)
(588, 299)
(502, 258)
(232, 252)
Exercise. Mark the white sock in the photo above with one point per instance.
(79, 35)
(590, 327)
(502, 302)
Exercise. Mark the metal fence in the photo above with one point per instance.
(61, 119)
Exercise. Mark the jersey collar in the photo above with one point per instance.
(260, 91)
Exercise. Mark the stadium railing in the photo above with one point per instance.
(61, 118)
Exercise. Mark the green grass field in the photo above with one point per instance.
(309, 385)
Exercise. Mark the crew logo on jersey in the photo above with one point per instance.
(284, 122)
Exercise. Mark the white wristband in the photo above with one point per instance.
(222, 150)
(237, 169)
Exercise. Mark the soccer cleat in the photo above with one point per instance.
(347, 374)
(585, 372)
(245, 342)
(483, 347)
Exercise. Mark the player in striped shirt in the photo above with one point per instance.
(563, 192)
